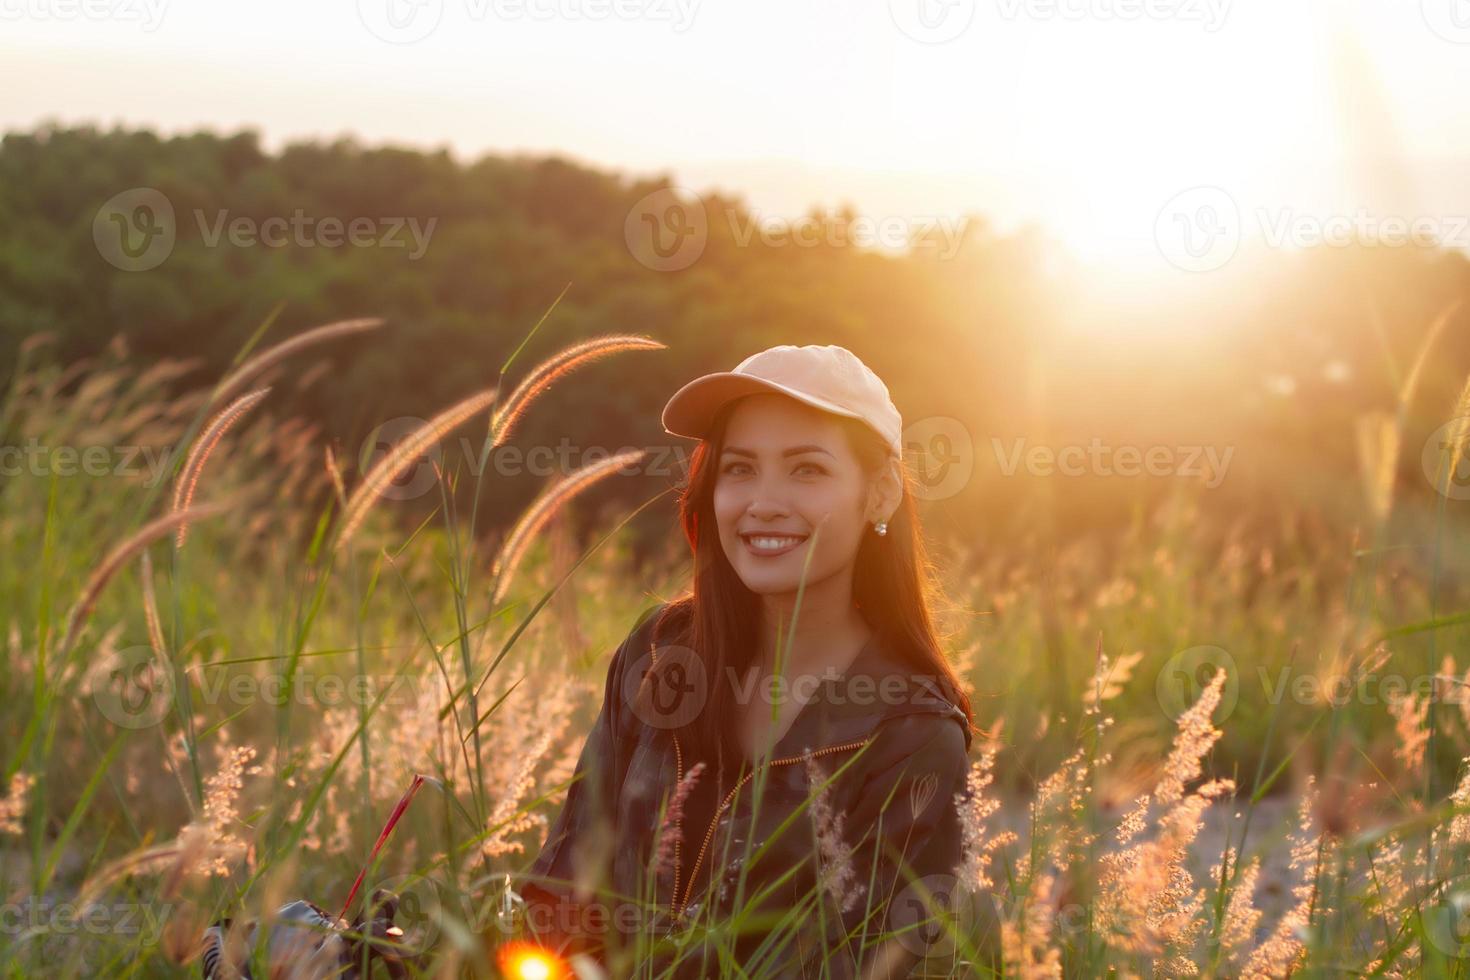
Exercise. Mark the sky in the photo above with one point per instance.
(1096, 120)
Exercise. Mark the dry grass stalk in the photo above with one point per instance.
(508, 817)
(203, 447)
(1027, 951)
(837, 876)
(1239, 926)
(1196, 735)
(400, 456)
(1409, 714)
(270, 358)
(123, 554)
(547, 372)
(1279, 955)
(516, 543)
(975, 809)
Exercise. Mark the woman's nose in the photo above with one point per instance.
(766, 507)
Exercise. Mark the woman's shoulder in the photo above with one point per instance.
(657, 625)
(937, 738)
(659, 621)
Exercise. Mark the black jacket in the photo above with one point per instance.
(907, 747)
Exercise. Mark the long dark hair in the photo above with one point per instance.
(719, 618)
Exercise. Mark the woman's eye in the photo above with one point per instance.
(731, 467)
(812, 468)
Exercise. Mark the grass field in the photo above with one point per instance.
(1217, 747)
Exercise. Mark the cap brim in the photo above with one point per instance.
(694, 406)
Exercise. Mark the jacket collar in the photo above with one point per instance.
(875, 688)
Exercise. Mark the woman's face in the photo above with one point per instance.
(786, 469)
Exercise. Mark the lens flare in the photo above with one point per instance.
(527, 961)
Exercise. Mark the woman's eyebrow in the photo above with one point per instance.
(793, 451)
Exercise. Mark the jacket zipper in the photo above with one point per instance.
(677, 908)
(678, 779)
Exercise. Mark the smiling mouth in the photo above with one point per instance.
(770, 545)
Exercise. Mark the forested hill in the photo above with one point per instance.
(462, 257)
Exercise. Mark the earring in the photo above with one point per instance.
(881, 528)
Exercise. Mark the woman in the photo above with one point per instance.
(819, 813)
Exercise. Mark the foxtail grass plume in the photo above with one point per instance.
(1411, 382)
(670, 830)
(396, 460)
(203, 446)
(544, 508)
(266, 359)
(123, 554)
(150, 606)
(555, 367)
(1378, 453)
(334, 473)
(1459, 436)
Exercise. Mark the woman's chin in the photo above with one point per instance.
(773, 582)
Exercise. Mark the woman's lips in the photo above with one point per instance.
(771, 545)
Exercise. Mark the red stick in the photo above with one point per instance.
(393, 819)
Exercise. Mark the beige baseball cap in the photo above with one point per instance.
(824, 376)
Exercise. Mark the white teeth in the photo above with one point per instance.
(772, 543)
